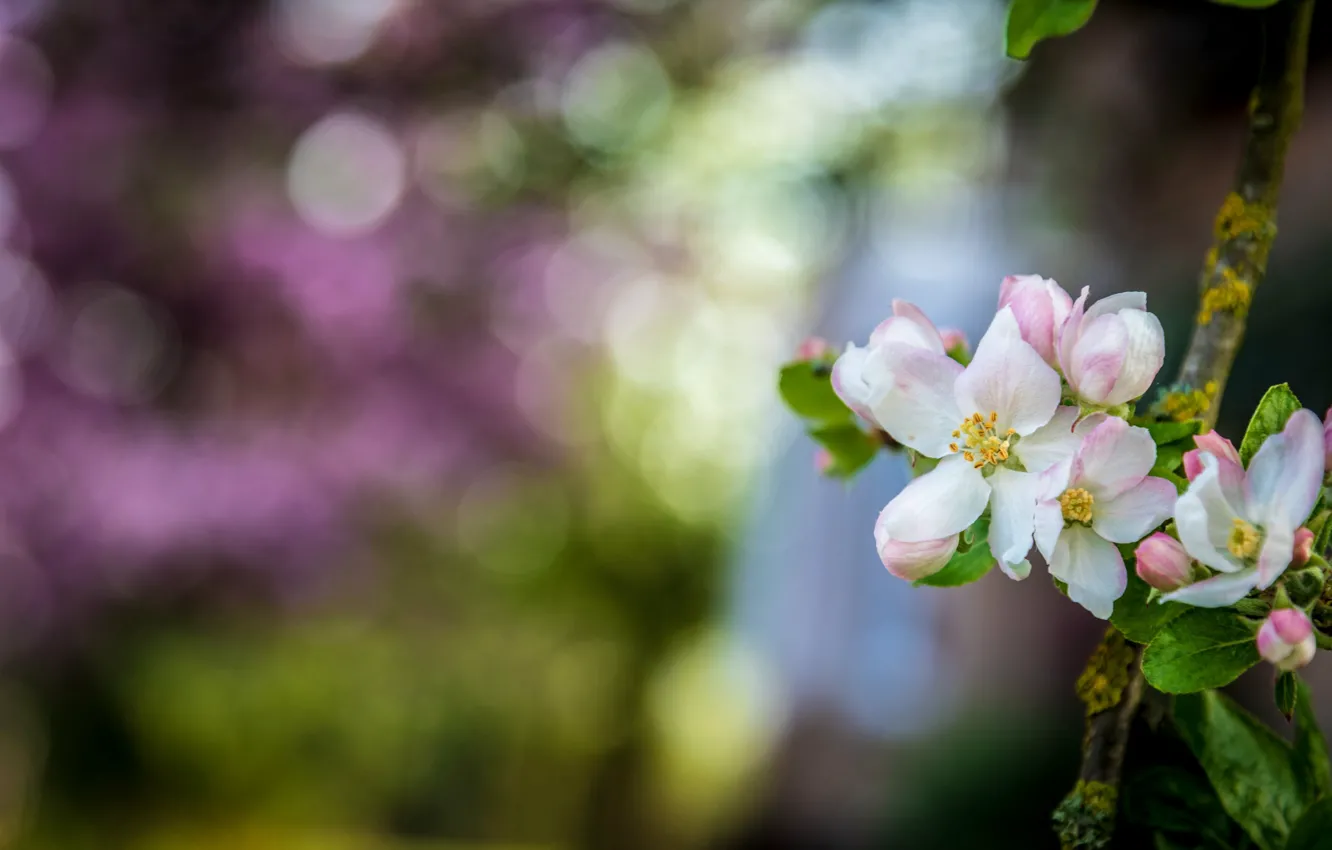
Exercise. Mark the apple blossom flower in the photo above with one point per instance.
(994, 423)
(1041, 307)
(1286, 639)
(1210, 442)
(1242, 523)
(1087, 503)
(1303, 551)
(1163, 563)
(857, 369)
(912, 561)
(813, 348)
(1110, 352)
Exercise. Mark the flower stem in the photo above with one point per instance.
(1234, 267)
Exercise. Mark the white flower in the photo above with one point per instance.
(1243, 524)
(861, 372)
(1110, 353)
(1097, 498)
(992, 423)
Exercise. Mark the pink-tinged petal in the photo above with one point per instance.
(1049, 524)
(1117, 303)
(1163, 563)
(1008, 377)
(1143, 357)
(1092, 568)
(1327, 439)
(943, 501)
(1287, 473)
(1055, 441)
(1018, 571)
(917, 407)
(1218, 445)
(913, 561)
(908, 326)
(1278, 549)
(1072, 331)
(1012, 509)
(1113, 457)
(1302, 551)
(1129, 516)
(1041, 307)
(1286, 639)
(848, 380)
(1220, 591)
(1098, 358)
(1204, 518)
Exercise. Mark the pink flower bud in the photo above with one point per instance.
(1111, 351)
(1286, 639)
(823, 461)
(1327, 440)
(813, 348)
(913, 561)
(954, 340)
(1212, 443)
(1040, 306)
(1303, 551)
(1163, 563)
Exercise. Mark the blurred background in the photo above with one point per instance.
(389, 448)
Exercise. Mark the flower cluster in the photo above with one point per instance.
(1036, 434)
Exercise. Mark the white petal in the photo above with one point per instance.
(913, 561)
(918, 408)
(1012, 506)
(848, 380)
(1129, 516)
(1204, 518)
(908, 326)
(1071, 332)
(1118, 302)
(1216, 592)
(1278, 549)
(1092, 567)
(1018, 571)
(1144, 356)
(943, 501)
(1051, 443)
(1098, 357)
(1008, 377)
(1286, 473)
(1049, 522)
(1114, 457)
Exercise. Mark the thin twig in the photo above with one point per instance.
(1235, 265)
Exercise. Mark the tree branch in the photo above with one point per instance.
(1234, 267)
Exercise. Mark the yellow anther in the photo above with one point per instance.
(1245, 540)
(952, 447)
(980, 443)
(1076, 505)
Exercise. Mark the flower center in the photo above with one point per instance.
(1244, 541)
(979, 440)
(1076, 505)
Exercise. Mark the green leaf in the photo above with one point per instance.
(1284, 691)
(1199, 649)
(1181, 484)
(1137, 618)
(1248, 765)
(1170, 798)
(851, 448)
(806, 387)
(965, 567)
(1030, 21)
(1247, 4)
(1310, 747)
(1170, 457)
(1277, 404)
(1172, 432)
(1314, 829)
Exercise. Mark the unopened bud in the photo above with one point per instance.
(955, 343)
(1163, 563)
(1303, 551)
(1286, 639)
(813, 348)
(1214, 444)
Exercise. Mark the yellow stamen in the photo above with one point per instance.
(981, 443)
(1076, 505)
(1245, 540)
